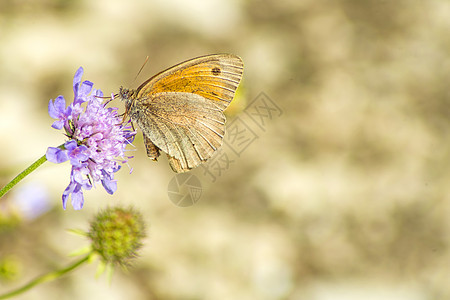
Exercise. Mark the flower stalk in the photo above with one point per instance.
(22, 175)
(46, 277)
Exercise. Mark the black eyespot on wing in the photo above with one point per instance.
(216, 71)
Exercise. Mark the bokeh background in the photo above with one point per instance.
(345, 195)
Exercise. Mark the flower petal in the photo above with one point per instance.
(78, 178)
(58, 124)
(57, 108)
(77, 199)
(70, 145)
(85, 89)
(109, 185)
(52, 110)
(56, 155)
(77, 79)
(78, 155)
(69, 189)
(64, 199)
(60, 104)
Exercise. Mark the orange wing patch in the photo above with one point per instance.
(214, 77)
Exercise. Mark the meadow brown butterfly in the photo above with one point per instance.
(180, 110)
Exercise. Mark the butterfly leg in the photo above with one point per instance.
(152, 150)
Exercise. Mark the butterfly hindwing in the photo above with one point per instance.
(188, 127)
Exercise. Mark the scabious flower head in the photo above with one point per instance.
(97, 140)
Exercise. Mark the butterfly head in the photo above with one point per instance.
(128, 96)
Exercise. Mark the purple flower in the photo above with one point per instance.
(96, 138)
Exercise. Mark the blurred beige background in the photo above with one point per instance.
(343, 196)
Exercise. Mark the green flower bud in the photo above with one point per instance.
(116, 234)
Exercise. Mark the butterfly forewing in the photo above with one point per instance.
(215, 77)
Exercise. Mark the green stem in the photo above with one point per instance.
(45, 278)
(22, 175)
(25, 172)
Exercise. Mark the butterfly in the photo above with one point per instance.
(180, 110)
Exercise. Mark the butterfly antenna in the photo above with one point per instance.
(145, 62)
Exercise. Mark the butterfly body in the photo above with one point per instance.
(180, 110)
